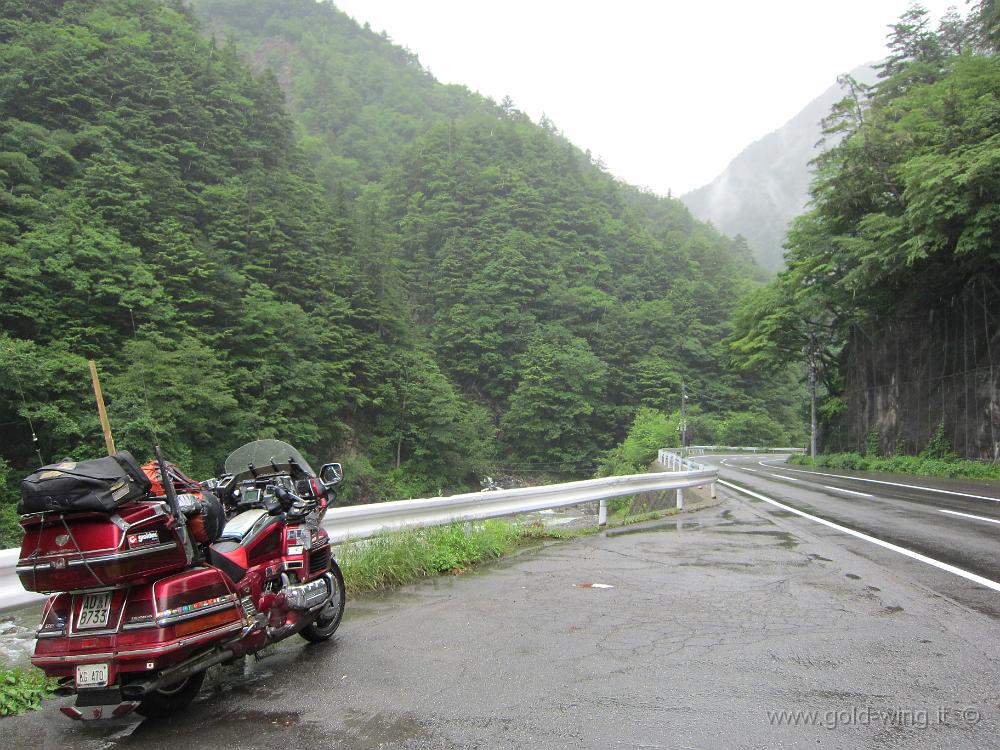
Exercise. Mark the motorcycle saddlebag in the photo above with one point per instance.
(74, 551)
(101, 485)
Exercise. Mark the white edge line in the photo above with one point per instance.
(841, 489)
(968, 515)
(882, 481)
(888, 545)
(790, 479)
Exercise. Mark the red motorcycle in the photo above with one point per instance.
(149, 589)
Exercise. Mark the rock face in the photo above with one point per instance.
(767, 185)
(936, 366)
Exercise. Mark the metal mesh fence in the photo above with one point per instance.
(909, 374)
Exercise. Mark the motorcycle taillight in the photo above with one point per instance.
(55, 616)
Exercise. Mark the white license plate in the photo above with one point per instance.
(95, 610)
(92, 675)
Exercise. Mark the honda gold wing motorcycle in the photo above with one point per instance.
(150, 584)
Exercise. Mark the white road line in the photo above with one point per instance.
(790, 479)
(968, 515)
(841, 489)
(990, 584)
(891, 484)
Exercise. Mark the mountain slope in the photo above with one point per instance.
(360, 97)
(767, 184)
(463, 289)
(501, 228)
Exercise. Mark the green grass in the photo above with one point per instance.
(400, 557)
(954, 468)
(22, 690)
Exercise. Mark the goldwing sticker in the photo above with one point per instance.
(146, 537)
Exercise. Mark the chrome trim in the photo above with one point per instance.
(88, 633)
(184, 641)
(111, 557)
(208, 634)
(72, 657)
(151, 623)
(120, 523)
(227, 602)
(50, 633)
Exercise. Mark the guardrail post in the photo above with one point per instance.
(680, 498)
(602, 513)
(712, 489)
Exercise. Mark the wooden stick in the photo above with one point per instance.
(109, 441)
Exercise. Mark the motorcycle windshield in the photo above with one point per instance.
(267, 457)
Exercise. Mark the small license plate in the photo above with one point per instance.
(94, 611)
(92, 675)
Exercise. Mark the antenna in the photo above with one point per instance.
(31, 426)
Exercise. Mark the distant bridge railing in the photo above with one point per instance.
(360, 521)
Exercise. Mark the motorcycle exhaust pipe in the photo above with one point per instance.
(136, 691)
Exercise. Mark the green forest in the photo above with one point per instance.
(904, 219)
(264, 220)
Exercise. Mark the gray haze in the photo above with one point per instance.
(767, 184)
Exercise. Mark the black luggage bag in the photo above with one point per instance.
(101, 484)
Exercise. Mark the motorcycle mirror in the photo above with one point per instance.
(331, 474)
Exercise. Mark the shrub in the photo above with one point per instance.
(951, 466)
(938, 446)
(22, 690)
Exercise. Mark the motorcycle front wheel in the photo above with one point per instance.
(328, 619)
(172, 698)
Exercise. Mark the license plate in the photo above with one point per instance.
(92, 675)
(94, 611)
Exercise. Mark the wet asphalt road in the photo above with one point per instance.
(952, 521)
(717, 620)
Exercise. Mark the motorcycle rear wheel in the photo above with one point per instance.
(171, 699)
(328, 619)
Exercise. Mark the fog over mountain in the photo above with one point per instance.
(767, 184)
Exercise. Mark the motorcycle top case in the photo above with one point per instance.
(100, 485)
(77, 551)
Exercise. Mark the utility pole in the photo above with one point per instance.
(684, 421)
(812, 396)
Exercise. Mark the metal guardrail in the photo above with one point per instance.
(677, 462)
(701, 450)
(360, 521)
(12, 595)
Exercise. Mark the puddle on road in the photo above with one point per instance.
(813, 556)
(716, 565)
(852, 576)
(640, 528)
(787, 540)
(372, 731)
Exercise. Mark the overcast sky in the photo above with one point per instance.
(665, 92)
